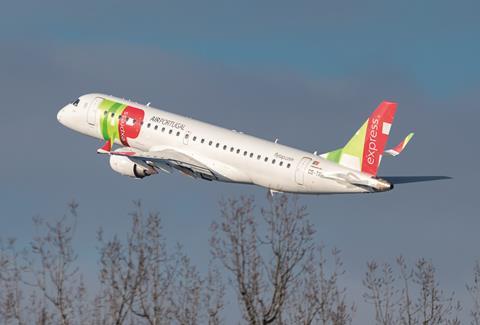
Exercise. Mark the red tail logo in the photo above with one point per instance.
(378, 129)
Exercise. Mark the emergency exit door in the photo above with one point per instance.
(92, 111)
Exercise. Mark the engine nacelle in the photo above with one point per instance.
(126, 167)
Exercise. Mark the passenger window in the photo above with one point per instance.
(266, 159)
(105, 113)
(148, 125)
(225, 147)
(210, 143)
(195, 138)
(178, 133)
(251, 154)
(217, 145)
(119, 117)
(244, 153)
(170, 132)
(203, 140)
(238, 150)
(156, 127)
(112, 115)
(288, 165)
(259, 156)
(163, 129)
(186, 135)
(281, 163)
(231, 149)
(134, 121)
(273, 161)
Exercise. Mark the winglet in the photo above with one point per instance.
(399, 148)
(107, 147)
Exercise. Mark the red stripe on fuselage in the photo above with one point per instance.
(127, 130)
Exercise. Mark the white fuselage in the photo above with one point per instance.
(233, 156)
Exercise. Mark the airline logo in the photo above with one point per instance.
(119, 121)
(378, 129)
(316, 164)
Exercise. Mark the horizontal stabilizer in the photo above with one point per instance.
(413, 179)
(399, 148)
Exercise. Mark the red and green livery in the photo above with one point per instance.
(119, 121)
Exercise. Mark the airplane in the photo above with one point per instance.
(153, 141)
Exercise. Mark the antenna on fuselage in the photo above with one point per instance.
(276, 140)
(148, 104)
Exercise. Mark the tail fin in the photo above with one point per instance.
(364, 150)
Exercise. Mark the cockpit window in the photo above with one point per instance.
(75, 103)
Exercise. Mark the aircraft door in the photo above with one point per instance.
(92, 111)
(300, 171)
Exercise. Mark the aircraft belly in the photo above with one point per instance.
(324, 186)
(228, 173)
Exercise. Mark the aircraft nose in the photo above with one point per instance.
(60, 114)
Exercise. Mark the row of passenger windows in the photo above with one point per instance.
(210, 143)
(238, 151)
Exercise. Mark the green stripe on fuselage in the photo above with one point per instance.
(109, 124)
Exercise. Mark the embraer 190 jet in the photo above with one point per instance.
(152, 141)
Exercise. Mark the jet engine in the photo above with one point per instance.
(124, 166)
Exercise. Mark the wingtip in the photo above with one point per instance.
(102, 151)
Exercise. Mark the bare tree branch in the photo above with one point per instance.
(52, 267)
(262, 280)
(316, 297)
(214, 296)
(474, 291)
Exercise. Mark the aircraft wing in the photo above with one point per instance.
(166, 160)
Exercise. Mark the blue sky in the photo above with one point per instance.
(307, 72)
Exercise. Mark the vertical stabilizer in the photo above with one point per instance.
(364, 150)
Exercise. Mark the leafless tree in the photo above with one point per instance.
(214, 296)
(262, 267)
(316, 297)
(121, 268)
(433, 305)
(427, 305)
(474, 291)
(278, 273)
(186, 294)
(144, 284)
(155, 270)
(52, 265)
(82, 304)
(11, 292)
(406, 306)
(379, 282)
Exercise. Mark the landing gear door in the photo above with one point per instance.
(92, 111)
(300, 171)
